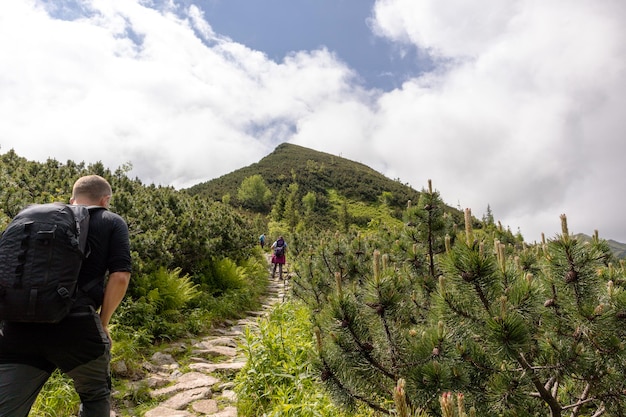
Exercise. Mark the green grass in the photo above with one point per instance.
(57, 398)
(365, 215)
(278, 379)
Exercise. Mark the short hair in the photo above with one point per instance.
(91, 187)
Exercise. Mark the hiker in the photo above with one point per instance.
(79, 345)
(278, 257)
(262, 240)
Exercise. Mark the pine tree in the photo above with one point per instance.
(428, 226)
(367, 299)
(519, 330)
(253, 193)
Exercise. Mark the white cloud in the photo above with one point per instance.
(453, 28)
(514, 119)
(523, 110)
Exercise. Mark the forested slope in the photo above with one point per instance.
(314, 172)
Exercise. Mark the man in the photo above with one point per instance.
(80, 344)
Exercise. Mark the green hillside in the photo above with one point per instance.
(329, 177)
(315, 172)
(618, 249)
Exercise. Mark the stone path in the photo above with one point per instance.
(203, 386)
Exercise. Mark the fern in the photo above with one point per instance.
(171, 292)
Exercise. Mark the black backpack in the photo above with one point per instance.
(279, 249)
(41, 253)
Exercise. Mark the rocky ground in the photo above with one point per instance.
(202, 386)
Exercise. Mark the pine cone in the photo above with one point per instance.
(467, 276)
(326, 374)
(367, 346)
(571, 276)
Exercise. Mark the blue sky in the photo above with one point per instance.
(279, 27)
(516, 105)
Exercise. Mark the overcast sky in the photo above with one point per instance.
(518, 104)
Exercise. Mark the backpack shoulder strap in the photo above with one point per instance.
(91, 284)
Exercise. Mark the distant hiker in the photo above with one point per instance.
(79, 345)
(262, 240)
(278, 256)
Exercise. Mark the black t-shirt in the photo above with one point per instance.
(109, 251)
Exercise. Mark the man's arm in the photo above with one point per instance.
(113, 295)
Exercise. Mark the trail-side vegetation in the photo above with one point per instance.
(400, 305)
(443, 319)
(279, 378)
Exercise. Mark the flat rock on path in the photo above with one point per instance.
(205, 388)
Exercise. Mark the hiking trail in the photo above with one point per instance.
(204, 385)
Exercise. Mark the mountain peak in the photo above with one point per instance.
(313, 171)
